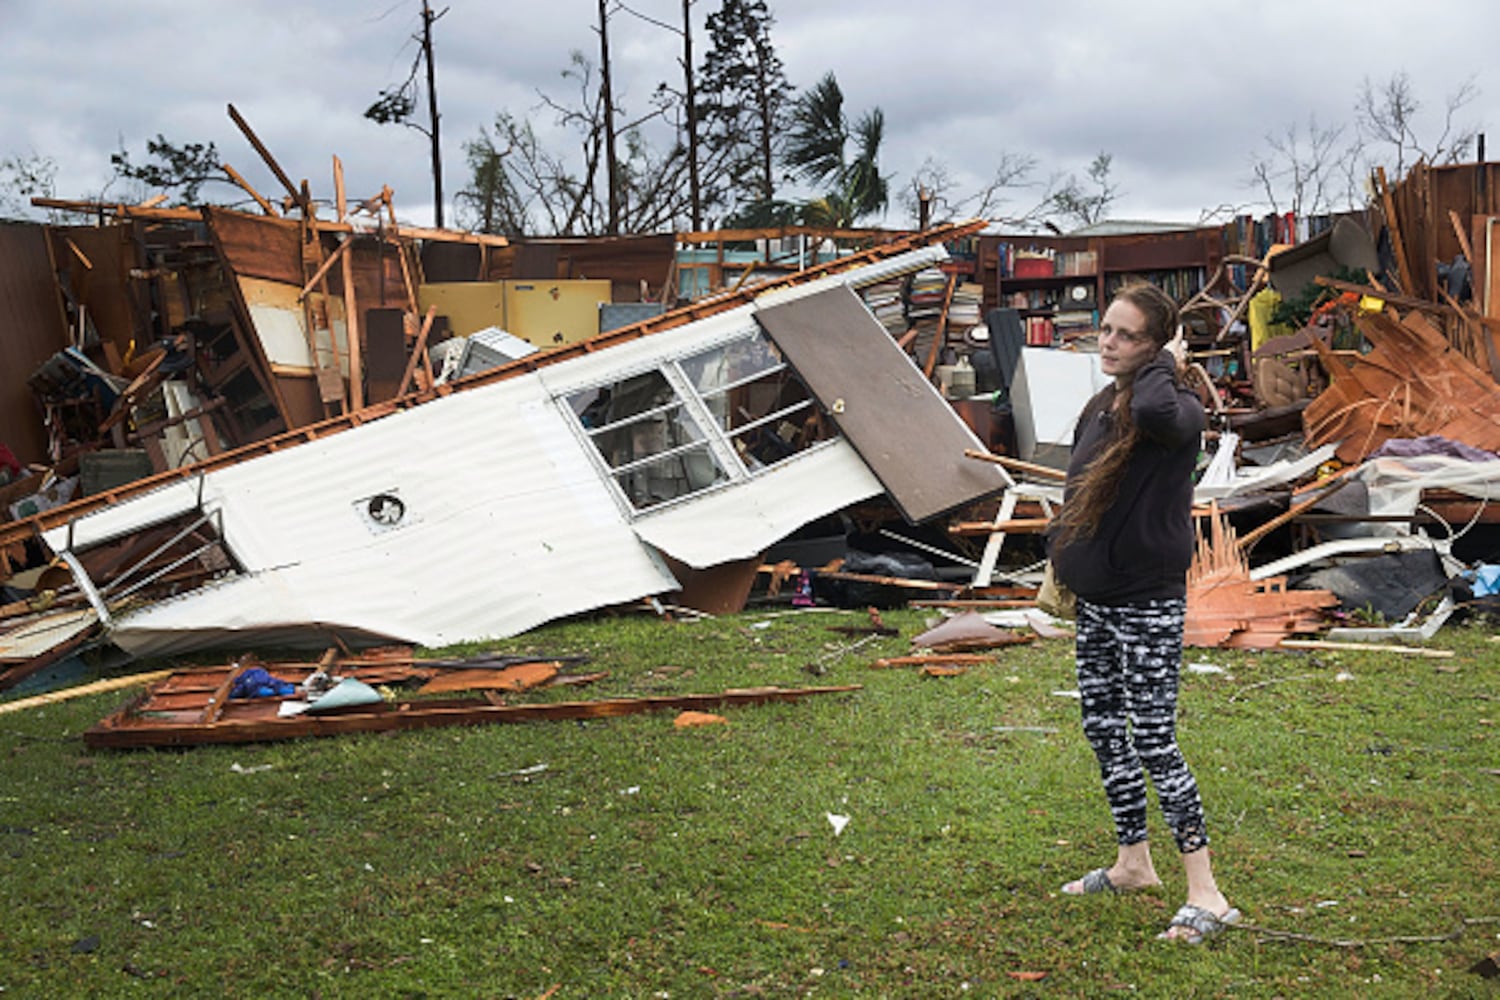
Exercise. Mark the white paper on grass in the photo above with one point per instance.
(837, 822)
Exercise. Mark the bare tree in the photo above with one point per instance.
(1299, 170)
(947, 202)
(518, 185)
(1073, 202)
(1387, 113)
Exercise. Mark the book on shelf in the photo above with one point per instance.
(886, 302)
(1180, 283)
(925, 298)
(1039, 332)
(964, 308)
(1071, 325)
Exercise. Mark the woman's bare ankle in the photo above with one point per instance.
(1133, 876)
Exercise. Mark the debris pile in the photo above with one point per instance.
(252, 430)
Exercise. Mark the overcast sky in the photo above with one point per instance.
(1181, 94)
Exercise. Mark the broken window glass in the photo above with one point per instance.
(657, 480)
(648, 437)
(756, 400)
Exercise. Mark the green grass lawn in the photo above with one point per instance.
(1352, 798)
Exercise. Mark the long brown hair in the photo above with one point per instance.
(1099, 483)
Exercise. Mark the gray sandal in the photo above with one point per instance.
(1094, 882)
(1200, 922)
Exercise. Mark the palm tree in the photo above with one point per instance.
(817, 149)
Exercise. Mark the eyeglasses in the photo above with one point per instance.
(1120, 333)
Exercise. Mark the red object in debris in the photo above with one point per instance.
(9, 463)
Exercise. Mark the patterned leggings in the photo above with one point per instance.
(1128, 658)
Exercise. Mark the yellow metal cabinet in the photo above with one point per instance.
(542, 313)
(553, 313)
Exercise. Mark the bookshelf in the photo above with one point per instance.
(1058, 283)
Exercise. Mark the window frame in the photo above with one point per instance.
(695, 406)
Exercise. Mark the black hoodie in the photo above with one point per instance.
(1143, 545)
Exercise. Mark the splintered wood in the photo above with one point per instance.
(1412, 383)
(1227, 608)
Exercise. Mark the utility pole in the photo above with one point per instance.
(612, 174)
(692, 117)
(432, 113)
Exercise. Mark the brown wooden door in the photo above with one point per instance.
(898, 422)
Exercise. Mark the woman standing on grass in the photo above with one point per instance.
(1122, 543)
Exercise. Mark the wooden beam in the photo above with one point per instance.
(1016, 465)
(412, 304)
(97, 687)
(438, 235)
(1463, 237)
(322, 271)
(119, 211)
(1404, 301)
(338, 190)
(924, 659)
(940, 340)
(1372, 647)
(1015, 525)
(1261, 531)
(265, 155)
(214, 707)
(352, 332)
(82, 257)
(938, 335)
(1393, 226)
(260, 199)
(419, 350)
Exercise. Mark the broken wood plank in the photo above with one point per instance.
(216, 701)
(353, 334)
(935, 348)
(82, 257)
(1248, 540)
(338, 190)
(96, 687)
(519, 677)
(889, 581)
(244, 185)
(1393, 226)
(1371, 647)
(322, 271)
(1014, 525)
(1016, 465)
(926, 659)
(418, 351)
(1463, 236)
(267, 158)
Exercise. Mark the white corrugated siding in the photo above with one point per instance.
(507, 525)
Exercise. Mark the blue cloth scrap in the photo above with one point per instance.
(1486, 580)
(257, 682)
